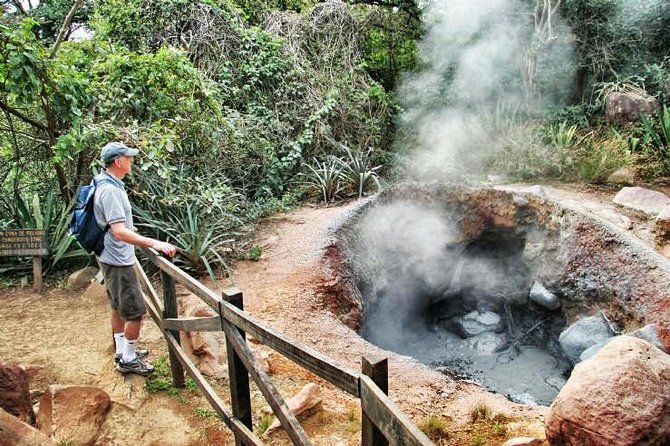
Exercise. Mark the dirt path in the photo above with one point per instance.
(64, 336)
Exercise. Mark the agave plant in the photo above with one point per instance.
(325, 176)
(357, 171)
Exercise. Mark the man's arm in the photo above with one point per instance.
(124, 234)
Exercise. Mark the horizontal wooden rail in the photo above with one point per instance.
(303, 355)
(388, 417)
(193, 324)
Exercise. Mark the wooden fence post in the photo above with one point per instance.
(170, 311)
(237, 373)
(378, 371)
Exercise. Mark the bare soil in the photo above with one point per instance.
(64, 337)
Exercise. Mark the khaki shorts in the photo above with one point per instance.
(123, 290)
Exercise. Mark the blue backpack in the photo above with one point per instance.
(83, 226)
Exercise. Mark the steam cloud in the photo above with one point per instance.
(475, 54)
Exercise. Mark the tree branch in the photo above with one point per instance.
(65, 27)
(23, 117)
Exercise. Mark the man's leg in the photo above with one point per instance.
(131, 332)
(118, 329)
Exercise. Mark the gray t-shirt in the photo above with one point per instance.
(111, 205)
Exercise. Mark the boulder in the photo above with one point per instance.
(73, 413)
(623, 176)
(15, 393)
(617, 398)
(543, 297)
(14, 432)
(625, 107)
(581, 335)
(640, 199)
(82, 278)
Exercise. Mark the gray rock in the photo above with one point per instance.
(486, 343)
(623, 107)
(649, 334)
(643, 200)
(595, 348)
(475, 323)
(537, 190)
(524, 398)
(543, 297)
(581, 335)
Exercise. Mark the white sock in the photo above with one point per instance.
(129, 350)
(119, 342)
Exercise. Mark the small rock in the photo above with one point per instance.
(485, 343)
(82, 278)
(305, 402)
(650, 334)
(475, 322)
(543, 297)
(643, 200)
(520, 200)
(623, 176)
(537, 190)
(522, 441)
(524, 398)
(73, 413)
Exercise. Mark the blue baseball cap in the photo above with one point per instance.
(114, 150)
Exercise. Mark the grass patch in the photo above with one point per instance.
(435, 427)
(253, 254)
(263, 423)
(205, 412)
(480, 412)
(161, 379)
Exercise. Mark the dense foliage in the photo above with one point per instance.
(242, 107)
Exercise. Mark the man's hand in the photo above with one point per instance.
(164, 247)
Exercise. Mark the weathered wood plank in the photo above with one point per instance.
(37, 273)
(193, 324)
(378, 371)
(288, 421)
(195, 287)
(153, 312)
(388, 417)
(238, 428)
(149, 288)
(170, 312)
(316, 362)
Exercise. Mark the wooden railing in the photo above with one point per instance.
(383, 422)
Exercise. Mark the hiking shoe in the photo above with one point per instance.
(140, 354)
(135, 366)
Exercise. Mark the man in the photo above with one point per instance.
(117, 260)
